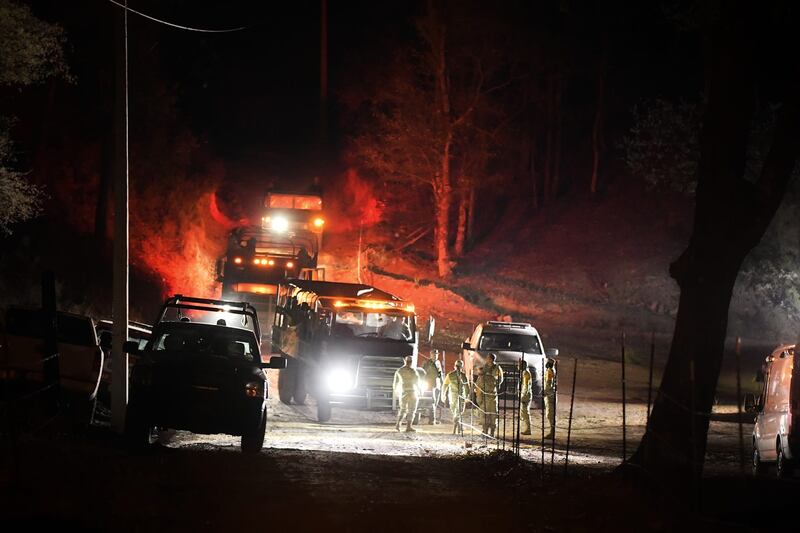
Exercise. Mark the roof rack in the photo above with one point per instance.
(518, 325)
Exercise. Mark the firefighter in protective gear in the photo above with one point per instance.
(486, 386)
(456, 388)
(433, 378)
(407, 387)
(525, 396)
(549, 393)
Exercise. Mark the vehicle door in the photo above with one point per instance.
(769, 420)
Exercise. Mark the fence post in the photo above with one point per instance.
(51, 366)
(624, 421)
(650, 377)
(739, 401)
(542, 442)
(571, 406)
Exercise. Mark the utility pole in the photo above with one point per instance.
(323, 75)
(119, 359)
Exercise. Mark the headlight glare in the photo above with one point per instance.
(339, 380)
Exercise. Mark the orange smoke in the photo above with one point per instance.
(183, 251)
(352, 202)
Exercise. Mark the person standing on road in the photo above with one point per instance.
(455, 388)
(549, 393)
(526, 393)
(407, 386)
(487, 384)
(433, 378)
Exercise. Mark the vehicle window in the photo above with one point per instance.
(399, 327)
(510, 342)
(208, 340)
(31, 323)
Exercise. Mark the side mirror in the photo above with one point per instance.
(431, 327)
(131, 347)
(465, 346)
(551, 352)
(750, 405)
(276, 362)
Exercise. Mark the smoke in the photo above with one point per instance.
(352, 201)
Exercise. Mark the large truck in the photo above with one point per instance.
(285, 245)
(344, 342)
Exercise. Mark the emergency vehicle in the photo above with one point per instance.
(509, 341)
(286, 245)
(775, 433)
(344, 342)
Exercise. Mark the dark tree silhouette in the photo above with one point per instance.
(731, 215)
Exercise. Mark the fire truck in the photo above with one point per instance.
(285, 245)
(344, 342)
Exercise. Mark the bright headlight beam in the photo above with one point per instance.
(280, 224)
(339, 380)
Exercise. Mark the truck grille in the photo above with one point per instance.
(376, 372)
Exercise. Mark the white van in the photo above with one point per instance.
(775, 436)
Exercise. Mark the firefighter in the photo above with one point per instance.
(486, 386)
(526, 393)
(456, 388)
(433, 378)
(549, 393)
(407, 387)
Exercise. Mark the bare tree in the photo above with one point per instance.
(429, 100)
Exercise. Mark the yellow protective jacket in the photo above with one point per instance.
(406, 379)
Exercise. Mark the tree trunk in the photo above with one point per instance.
(461, 226)
(555, 179)
(731, 216)
(443, 194)
(597, 129)
(549, 141)
(471, 214)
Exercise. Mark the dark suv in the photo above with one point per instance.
(201, 371)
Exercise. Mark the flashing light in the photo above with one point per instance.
(268, 262)
(280, 224)
(237, 260)
(376, 304)
(339, 380)
(319, 222)
(289, 264)
(256, 261)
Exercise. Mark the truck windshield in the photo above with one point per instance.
(510, 342)
(207, 340)
(392, 326)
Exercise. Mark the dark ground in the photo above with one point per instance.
(91, 482)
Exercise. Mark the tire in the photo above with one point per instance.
(139, 432)
(759, 468)
(783, 466)
(287, 379)
(323, 410)
(254, 442)
(300, 389)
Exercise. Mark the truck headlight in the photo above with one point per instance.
(280, 224)
(423, 386)
(254, 389)
(339, 380)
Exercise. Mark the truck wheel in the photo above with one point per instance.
(139, 433)
(783, 466)
(253, 442)
(286, 383)
(300, 390)
(323, 410)
(759, 468)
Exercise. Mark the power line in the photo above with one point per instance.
(180, 27)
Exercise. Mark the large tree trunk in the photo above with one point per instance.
(471, 214)
(555, 178)
(461, 225)
(731, 216)
(443, 195)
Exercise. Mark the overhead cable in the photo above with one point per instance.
(178, 26)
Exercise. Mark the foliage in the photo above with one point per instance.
(663, 146)
(32, 50)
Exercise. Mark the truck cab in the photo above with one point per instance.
(344, 342)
